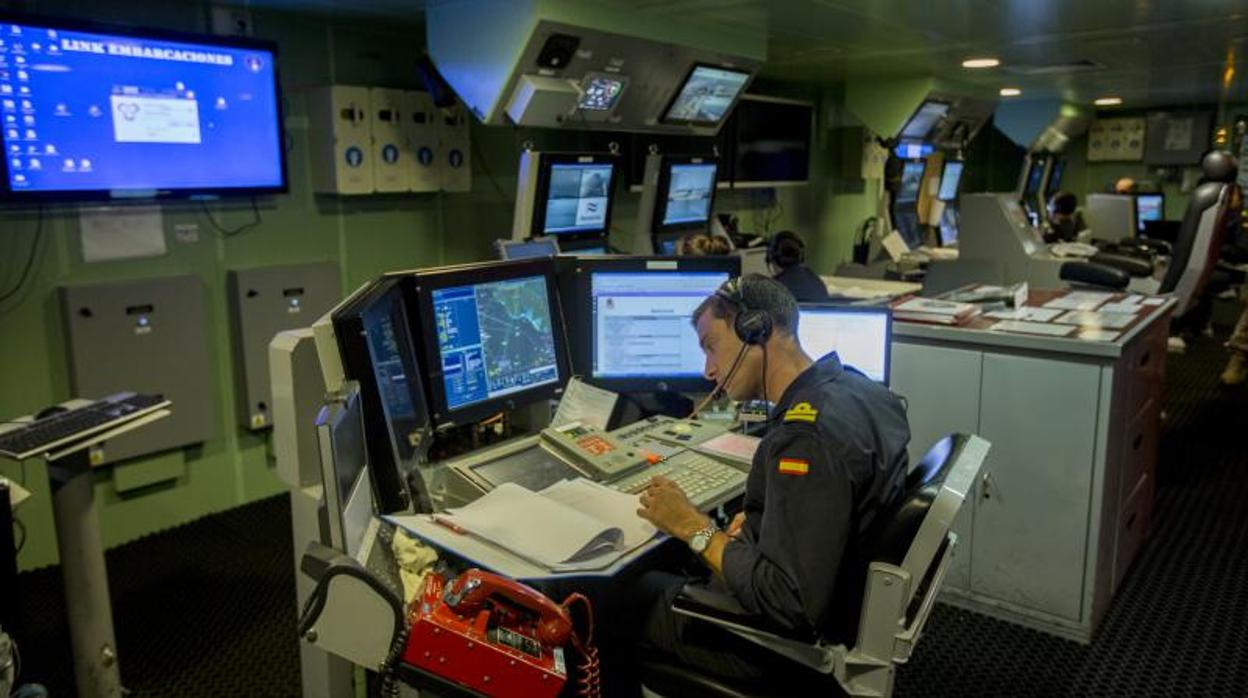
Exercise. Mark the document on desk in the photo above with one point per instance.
(731, 446)
(1098, 320)
(1080, 300)
(1123, 308)
(1032, 328)
(1026, 313)
(585, 403)
(572, 525)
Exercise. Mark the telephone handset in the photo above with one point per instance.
(468, 593)
(497, 637)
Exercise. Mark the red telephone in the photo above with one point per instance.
(491, 634)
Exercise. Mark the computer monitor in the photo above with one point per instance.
(375, 341)
(949, 225)
(344, 469)
(860, 335)
(524, 249)
(911, 180)
(493, 337)
(1054, 183)
(950, 178)
(630, 319)
(97, 111)
(685, 194)
(574, 195)
(920, 125)
(706, 95)
(1111, 217)
(1149, 207)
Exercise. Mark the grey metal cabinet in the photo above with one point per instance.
(1065, 498)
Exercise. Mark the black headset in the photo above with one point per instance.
(753, 326)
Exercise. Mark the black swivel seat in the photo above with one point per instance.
(911, 540)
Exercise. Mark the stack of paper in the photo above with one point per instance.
(571, 525)
(934, 311)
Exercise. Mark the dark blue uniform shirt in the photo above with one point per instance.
(835, 455)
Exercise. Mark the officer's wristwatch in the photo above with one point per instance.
(702, 538)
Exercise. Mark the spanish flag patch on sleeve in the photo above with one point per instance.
(801, 412)
(794, 466)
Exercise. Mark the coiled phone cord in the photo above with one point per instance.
(589, 682)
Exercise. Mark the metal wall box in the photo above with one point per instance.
(263, 302)
(149, 336)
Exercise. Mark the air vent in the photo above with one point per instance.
(1080, 66)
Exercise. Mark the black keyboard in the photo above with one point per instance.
(43, 434)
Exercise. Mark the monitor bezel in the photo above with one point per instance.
(671, 102)
(944, 169)
(330, 419)
(887, 311)
(420, 286)
(542, 191)
(10, 196)
(576, 283)
(387, 465)
(665, 183)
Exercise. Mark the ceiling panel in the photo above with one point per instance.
(1147, 51)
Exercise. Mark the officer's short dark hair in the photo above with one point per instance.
(786, 249)
(758, 292)
(1064, 203)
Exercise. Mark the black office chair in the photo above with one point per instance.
(1195, 249)
(909, 549)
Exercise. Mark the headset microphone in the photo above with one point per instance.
(723, 385)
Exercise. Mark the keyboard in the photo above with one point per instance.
(706, 481)
(45, 434)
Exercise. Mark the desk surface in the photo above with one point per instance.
(978, 330)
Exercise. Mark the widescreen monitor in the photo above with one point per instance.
(860, 335)
(706, 96)
(920, 125)
(1149, 207)
(493, 337)
(630, 319)
(950, 178)
(97, 112)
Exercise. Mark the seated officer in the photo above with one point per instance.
(786, 258)
(835, 455)
(1065, 222)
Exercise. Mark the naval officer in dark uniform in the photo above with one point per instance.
(835, 455)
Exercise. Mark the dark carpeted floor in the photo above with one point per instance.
(208, 608)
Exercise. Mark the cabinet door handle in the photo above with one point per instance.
(985, 486)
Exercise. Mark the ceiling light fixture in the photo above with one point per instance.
(1108, 101)
(1010, 92)
(980, 63)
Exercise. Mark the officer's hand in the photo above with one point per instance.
(735, 526)
(665, 505)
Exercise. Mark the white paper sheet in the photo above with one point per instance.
(1153, 301)
(121, 232)
(1098, 320)
(1120, 308)
(527, 524)
(1027, 313)
(586, 404)
(613, 508)
(1032, 328)
(1098, 335)
(1080, 300)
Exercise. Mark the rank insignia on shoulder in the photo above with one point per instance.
(801, 412)
(794, 466)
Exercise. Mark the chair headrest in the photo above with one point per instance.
(1219, 166)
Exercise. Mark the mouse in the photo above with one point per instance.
(49, 411)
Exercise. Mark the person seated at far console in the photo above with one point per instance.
(701, 244)
(835, 455)
(1065, 221)
(786, 258)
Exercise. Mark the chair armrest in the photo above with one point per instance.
(1091, 273)
(1133, 265)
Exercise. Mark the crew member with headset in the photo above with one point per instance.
(786, 258)
(835, 455)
